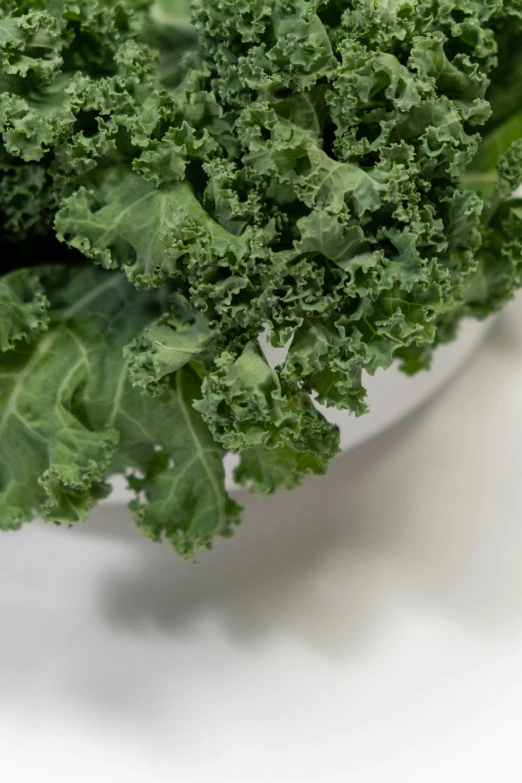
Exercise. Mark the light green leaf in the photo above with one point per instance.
(331, 184)
(331, 235)
(147, 231)
(165, 345)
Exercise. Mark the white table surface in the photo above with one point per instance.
(365, 628)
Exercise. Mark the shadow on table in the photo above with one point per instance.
(296, 565)
(425, 516)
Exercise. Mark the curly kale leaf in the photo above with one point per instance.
(245, 404)
(23, 308)
(267, 470)
(70, 418)
(304, 171)
(335, 174)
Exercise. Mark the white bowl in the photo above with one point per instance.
(391, 396)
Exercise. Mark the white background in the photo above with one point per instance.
(365, 628)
